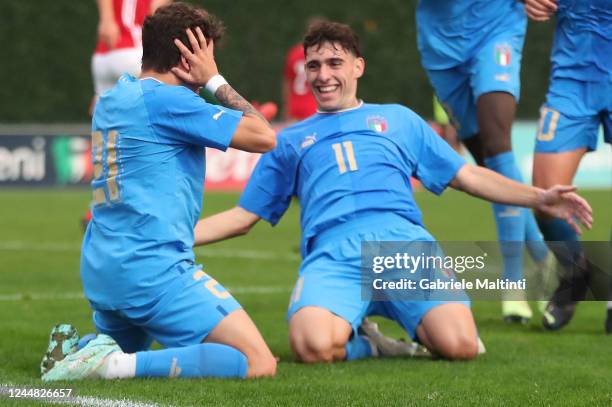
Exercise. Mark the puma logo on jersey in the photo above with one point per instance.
(218, 114)
(309, 140)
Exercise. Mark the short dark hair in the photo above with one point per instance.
(322, 31)
(159, 30)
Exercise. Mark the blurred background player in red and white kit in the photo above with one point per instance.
(298, 101)
(119, 46)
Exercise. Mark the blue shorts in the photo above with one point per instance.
(330, 278)
(571, 116)
(494, 67)
(184, 315)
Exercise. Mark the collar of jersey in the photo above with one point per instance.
(152, 78)
(348, 109)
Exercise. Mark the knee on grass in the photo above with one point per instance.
(316, 348)
(458, 348)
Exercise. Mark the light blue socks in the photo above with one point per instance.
(203, 360)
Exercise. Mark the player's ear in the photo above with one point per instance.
(359, 67)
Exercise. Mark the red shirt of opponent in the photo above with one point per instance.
(299, 100)
(129, 16)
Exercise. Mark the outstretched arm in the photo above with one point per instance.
(559, 201)
(540, 10)
(224, 225)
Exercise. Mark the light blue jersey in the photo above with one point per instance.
(351, 172)
(579, 98)
(148, 150)
(582, 47)
(348, 165)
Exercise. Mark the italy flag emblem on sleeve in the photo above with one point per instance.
(502, 55)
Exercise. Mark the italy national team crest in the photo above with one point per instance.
(377, 123)
(503, 54)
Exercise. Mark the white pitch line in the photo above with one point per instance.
(86, 401)
(77, 295)
(41, 296)
(18, 245)
(97, 402)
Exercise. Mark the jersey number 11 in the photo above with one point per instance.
(350, 155)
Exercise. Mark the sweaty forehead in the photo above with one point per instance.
(326, 50)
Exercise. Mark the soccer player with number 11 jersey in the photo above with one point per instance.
(350, 167)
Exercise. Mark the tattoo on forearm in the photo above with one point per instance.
(232, 99)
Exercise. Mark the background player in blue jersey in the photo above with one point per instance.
(578, 102)
(350, 167)
(471, 50)
(137, 262)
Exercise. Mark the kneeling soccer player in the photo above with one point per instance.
(137, 261)
(350, 167)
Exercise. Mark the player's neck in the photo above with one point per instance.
(168, 78)
(349, 106)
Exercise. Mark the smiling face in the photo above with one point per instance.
(332, 73)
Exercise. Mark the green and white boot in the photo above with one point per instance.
(85, 363)
(63, 341)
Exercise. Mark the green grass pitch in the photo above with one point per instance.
(39, 287)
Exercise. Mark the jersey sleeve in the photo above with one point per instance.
(181, 116)
(436, 163)
(271, 186)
